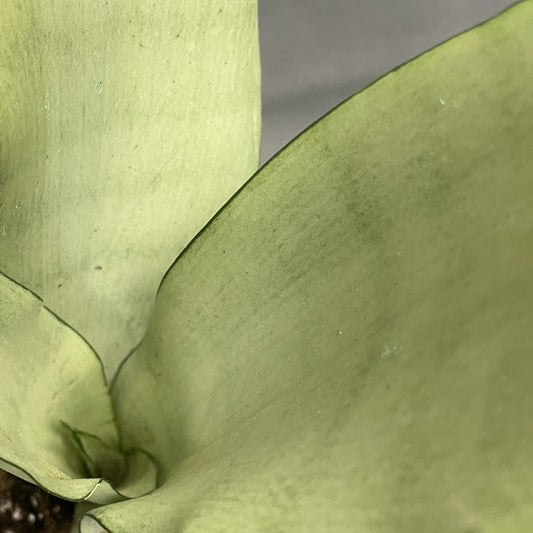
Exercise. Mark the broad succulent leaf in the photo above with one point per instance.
(125, 126)
(347, 345)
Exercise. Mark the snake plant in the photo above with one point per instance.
(344, 346)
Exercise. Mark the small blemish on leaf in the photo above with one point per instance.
(388, 350)
(99, 87)
(60, 285)
(98, 267)
(47, 104)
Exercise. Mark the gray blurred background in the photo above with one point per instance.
(315, 53)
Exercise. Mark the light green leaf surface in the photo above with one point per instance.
(53, 378)
(124, 126)
(347, 346)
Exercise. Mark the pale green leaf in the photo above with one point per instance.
(347, 346)
(52, 380)
(125, 126)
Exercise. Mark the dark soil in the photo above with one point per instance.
(25, 508)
